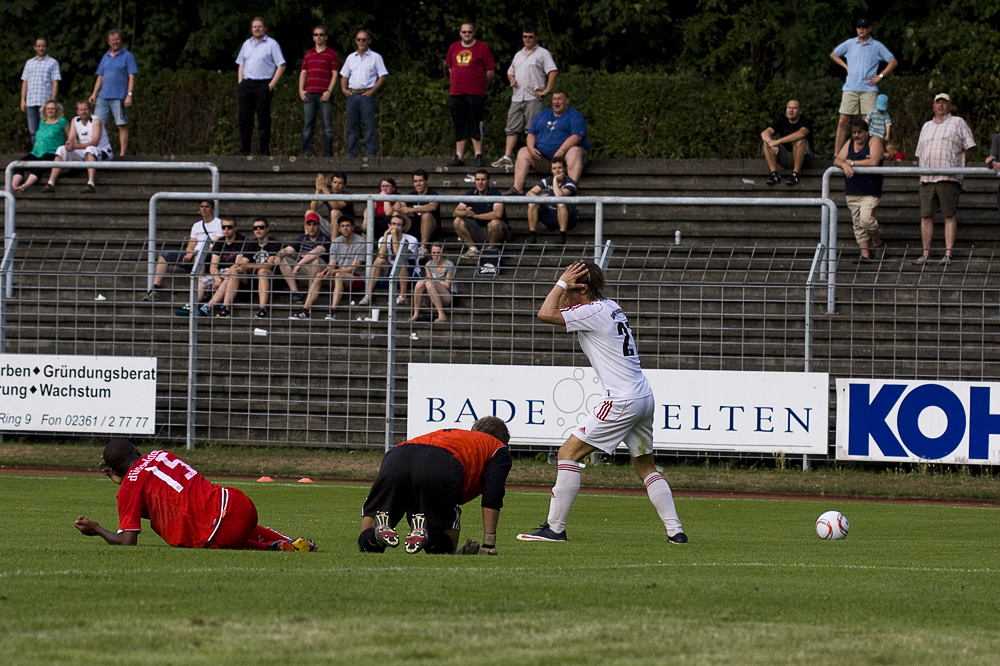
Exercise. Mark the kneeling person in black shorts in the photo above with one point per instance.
(428, 479)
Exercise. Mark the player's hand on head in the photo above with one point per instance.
(574, 272)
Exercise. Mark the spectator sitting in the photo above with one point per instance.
(383, 210)
(892, 149)
(388, 249)
(262, 255)
(307, 253)
(346, 268)
(426, 216)
(208, 227)
(338, 210)
(879, 122)
(481, 222)
(788, 141)
(227, 252)
(439, 274)
(50, 135)
(557, 132)
(87, 140)
(561, 216)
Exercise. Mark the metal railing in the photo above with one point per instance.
(10, 204)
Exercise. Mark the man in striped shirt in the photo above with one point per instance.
(625, 415)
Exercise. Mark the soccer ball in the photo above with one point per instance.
(832, 525)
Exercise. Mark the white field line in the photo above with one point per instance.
(494, 570)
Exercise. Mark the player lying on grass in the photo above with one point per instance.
(428, 479)
(181, 505)
(626, 413)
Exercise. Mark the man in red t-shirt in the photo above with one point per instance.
(316, 83)
(471, 66)
(428, 478)
(182, 506)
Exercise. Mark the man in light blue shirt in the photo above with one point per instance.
(261, 65)
(363, 73)
(113, 90)
(39, 83)
(863, 56)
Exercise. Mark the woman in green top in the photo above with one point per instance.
(51, 134)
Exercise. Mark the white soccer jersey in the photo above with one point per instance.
(608, 342)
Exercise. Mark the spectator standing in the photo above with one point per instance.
(788, 141)
(557, 132)
(87, 141)
(438, 276)
(426, 216)
(112, 94)
(860, 56)
(863, 190)
(346, 268)
(361, 76)
(560, 216)
(945, 141)
(262, 256)
(227, 252)
(337, 210)
(532, 75)
(208, 227)
(261, 65)
(39, 83)
(50, 137)
(470, 68)
(316, 84)
(306, 254)
(481, 221)
(389, 247)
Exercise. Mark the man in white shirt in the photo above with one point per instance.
(261, 65)
(532, 75)
(626, 413)
(87, 141)
(208, 227)
(361, 76)
(388, 247)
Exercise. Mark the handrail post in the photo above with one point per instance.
(390, 370)
(193, 341)
(598, 229)
(10, 245)
(9, 231)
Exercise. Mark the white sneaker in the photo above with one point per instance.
(503, 162)
(471, 253)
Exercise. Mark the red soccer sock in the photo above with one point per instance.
(262, 537)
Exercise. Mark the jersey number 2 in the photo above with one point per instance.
(627, 349)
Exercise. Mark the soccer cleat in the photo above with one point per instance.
(503, 162)
(680, 537)
(774, 178)
(385, 535)
(301, 315)
(261, 313)
(417, 537)
(543, 533)
(223, 312)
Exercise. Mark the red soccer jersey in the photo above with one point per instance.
(181, 505)
(319, 69)
(468, 66)
(473, 450)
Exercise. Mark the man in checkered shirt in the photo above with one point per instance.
(39, 83)
(945, 141)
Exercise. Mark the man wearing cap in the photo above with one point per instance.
(860, 57)
(945, 141)
(307, 254)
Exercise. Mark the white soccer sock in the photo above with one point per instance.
(663, 500)
(563, 493)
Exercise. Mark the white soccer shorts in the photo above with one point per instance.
(615, 421)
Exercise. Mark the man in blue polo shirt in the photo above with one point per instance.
(261, 65)
(557, 132)
(113, 90)
(863, 55)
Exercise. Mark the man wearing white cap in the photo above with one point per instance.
(945, 141)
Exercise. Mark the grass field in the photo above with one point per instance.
(910, 585)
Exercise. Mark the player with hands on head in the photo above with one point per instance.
(626, 412)
(182, 506)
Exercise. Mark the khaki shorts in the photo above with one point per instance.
(521, 114)
(939, 196)
(857, 103)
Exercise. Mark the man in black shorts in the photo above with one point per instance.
(427, 479)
